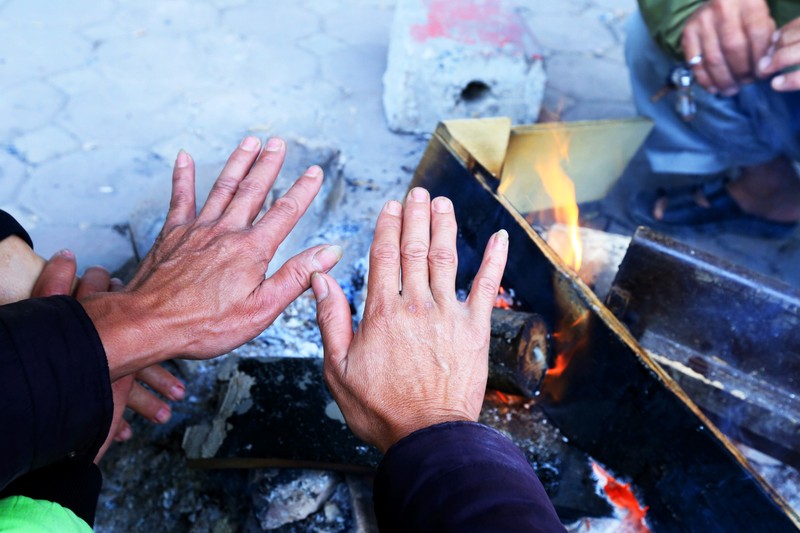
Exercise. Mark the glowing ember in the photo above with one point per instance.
(504, 300)
(621, 495)
(561, 190)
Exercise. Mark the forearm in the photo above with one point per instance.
(460, 477)
(55, 394)
(666, 19)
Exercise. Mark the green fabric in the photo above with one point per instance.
(666, 19)
(24, 515)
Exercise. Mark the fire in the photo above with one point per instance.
(504, 300)
(621, 495)
(561, 190)
(570, 339)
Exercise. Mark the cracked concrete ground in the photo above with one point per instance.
(99, 96)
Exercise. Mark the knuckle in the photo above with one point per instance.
(384, 253)
(414, 251)
(442, 257)
(286, 207)
(251, 188)
(714, 60)
(226, 184)
(486, 286)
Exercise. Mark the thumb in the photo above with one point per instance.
(333, 316)
(57, 276)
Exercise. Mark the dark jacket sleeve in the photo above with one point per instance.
(55, 393)
(9, 227)
(462, 477)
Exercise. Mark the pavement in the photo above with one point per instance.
(98, 97)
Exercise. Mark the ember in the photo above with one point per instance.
(621, 495)
(505, 299)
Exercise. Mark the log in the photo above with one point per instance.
(517, 352)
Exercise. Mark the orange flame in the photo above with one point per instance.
(570, 339)
(621, 495)
(561, 190)
(504, 300)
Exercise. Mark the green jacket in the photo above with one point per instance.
(666, 19)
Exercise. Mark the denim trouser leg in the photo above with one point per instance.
(755, 126)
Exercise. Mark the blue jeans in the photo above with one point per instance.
(755, 126)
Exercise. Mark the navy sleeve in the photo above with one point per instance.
(463, 477)
(55, 393)
(9, 227)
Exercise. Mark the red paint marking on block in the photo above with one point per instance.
(471, 22)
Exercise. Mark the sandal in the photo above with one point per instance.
(722, 213)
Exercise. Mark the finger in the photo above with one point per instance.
(283, 215)
(715, 63)
(736, 49)
(293, 279)
(415, 242)
(693, 47)
(182, 203)
(787, 82)
(443, 258)
(148, 405)
(162, 381)
(94, 279)
(57, 276)
(253, 190)
(383, 282)
(232, 174)
(487, 282)
(760, 33)
(334, 319)
(124, 431)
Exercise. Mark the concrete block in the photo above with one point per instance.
(458, 59)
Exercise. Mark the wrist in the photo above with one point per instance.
(131, 339)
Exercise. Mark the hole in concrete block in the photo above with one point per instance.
(475, 91)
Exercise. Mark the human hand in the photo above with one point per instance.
(731, 36)
(201, 291)
(419, 357)
(58, 277)
(785, 55)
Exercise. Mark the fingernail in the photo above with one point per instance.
(393, 207)
(442, 205)
(327, 258)
(776, 36)
(250, 143)
(116, 282)
(319, 285)
(730, 92)
(418, 194)
(502, 237)
(66, 253)
(177, 392)
(182, 161)
(163, 415)
(314, 171)
(274, 144)
(764, 63)
(778, 81)
(712, 90)
(124, 434)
